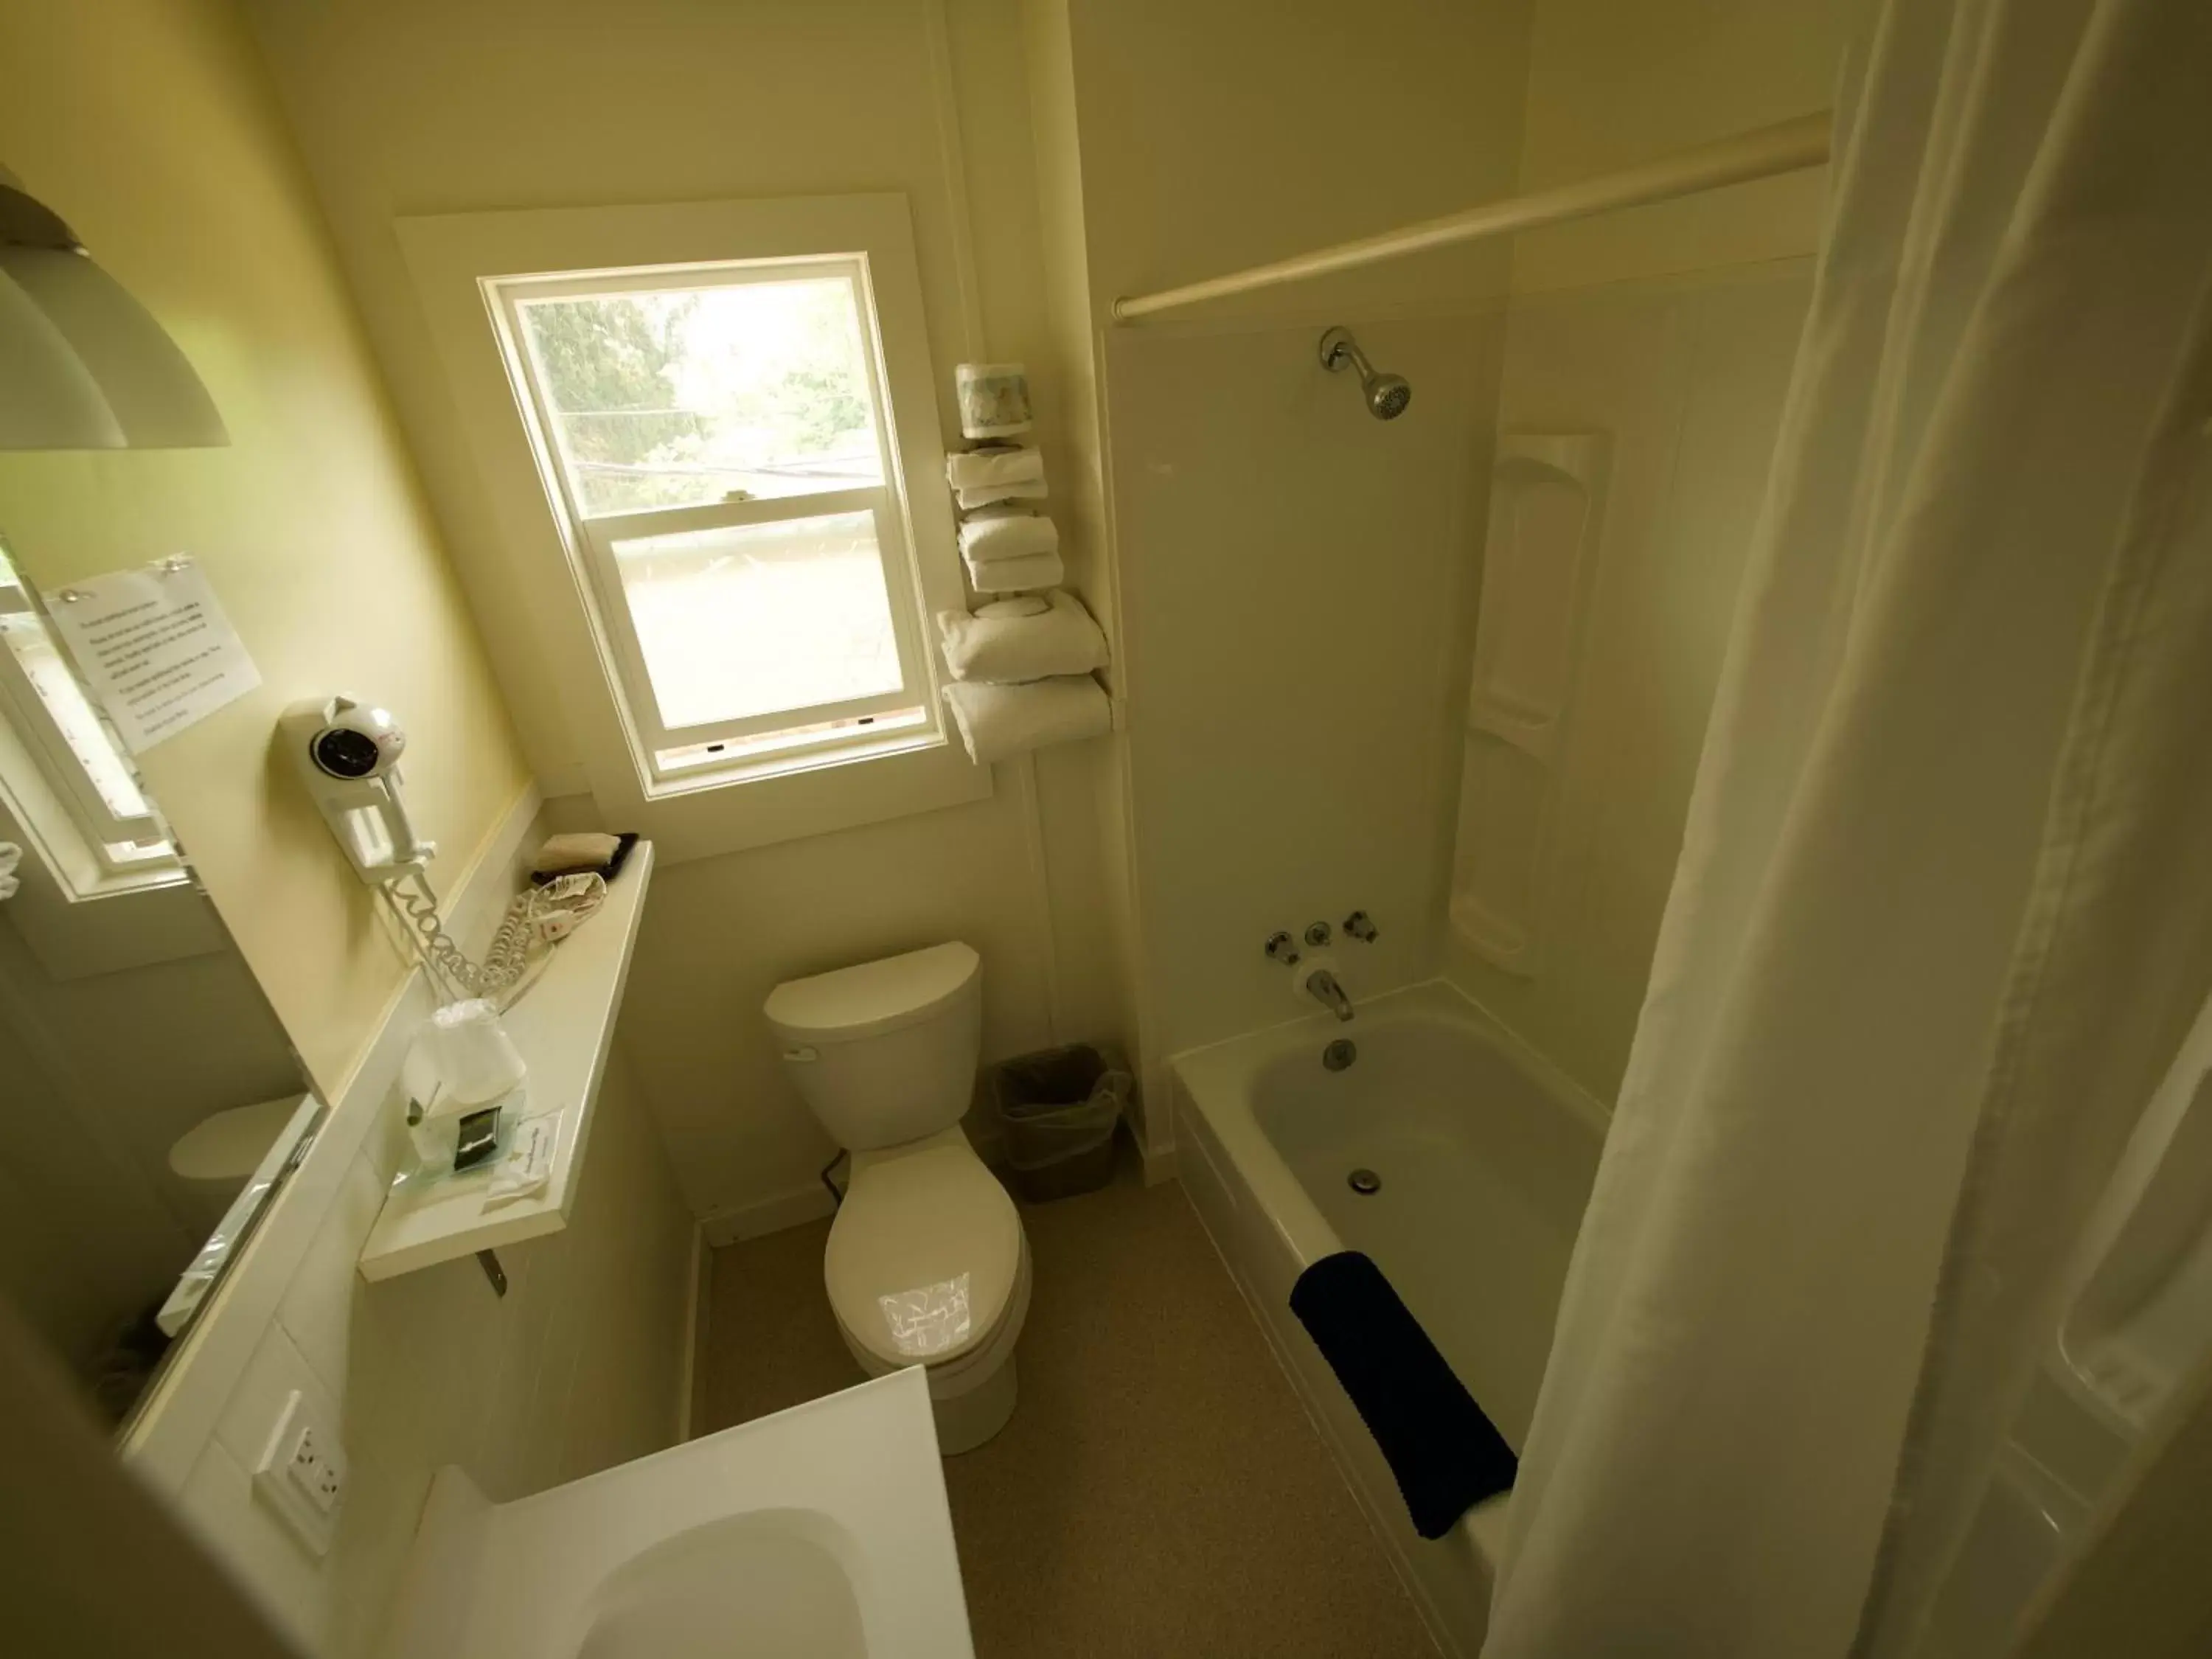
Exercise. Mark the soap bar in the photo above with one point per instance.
(563, 854)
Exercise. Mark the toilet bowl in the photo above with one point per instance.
(927, 1263)
(215, 1156)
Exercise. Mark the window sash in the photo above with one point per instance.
(513, 294)
(591, 538)
(724, 515)
(710, 273)
(597, 537)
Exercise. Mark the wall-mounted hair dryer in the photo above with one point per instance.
(348, 753)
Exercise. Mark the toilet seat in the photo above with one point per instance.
(926, 1257)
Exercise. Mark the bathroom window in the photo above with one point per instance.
(718, 440)
(64, 779)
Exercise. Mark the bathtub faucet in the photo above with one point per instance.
(1321, 986)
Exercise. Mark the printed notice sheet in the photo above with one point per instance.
(156, 648)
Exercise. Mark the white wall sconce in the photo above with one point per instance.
(83, 364)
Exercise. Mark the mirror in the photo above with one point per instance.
(149, 1101)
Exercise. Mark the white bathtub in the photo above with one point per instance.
(1485, 1155)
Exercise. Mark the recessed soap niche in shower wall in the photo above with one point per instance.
(1546, 511)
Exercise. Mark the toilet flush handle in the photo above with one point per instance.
(801, 1054)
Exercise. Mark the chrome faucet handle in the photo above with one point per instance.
(1360, 926)
(1282, 948)
(1317, 934)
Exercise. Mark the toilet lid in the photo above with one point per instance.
(923, 1255)
(228, 1145)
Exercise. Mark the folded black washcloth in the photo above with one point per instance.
(1446, 1455)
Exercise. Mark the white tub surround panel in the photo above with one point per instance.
(1569, 826)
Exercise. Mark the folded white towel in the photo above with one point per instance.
(999, 720)
(1026, 489)
(1006, 650)
(1006, 533)
(984, 469)
(1016, 575)
(10, 856)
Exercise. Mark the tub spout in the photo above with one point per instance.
(1321, 986)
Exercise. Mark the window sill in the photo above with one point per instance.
(769, 768)
(718, 813)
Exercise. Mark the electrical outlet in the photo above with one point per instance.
(325, 1480)
(302, 1473)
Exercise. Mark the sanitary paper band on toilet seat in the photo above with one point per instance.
(930, 1319)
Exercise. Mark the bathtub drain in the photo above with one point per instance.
(1338, 1055)
(1365, 1182)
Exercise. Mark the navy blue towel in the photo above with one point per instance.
(1446, 1455)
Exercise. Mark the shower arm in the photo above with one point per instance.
(1337, 346)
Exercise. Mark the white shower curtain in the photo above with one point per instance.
(1944, 906)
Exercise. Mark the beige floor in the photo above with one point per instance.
(1159, 1494)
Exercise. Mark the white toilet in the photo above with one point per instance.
(927, 1261)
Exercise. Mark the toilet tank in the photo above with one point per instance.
(884, 1053)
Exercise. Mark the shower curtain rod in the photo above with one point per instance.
(1785, 147)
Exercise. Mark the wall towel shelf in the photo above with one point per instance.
(565, 1028)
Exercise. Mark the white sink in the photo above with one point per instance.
(820, 1533)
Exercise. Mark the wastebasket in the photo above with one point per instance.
(1058, 1108)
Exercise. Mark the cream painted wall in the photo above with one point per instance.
(1294, 576)
(578, 1368)
(150, 125)
(1614, 82)
(720, 933)
(1673, 328)
(1215, 136)
(1111, 955)
(410, 106)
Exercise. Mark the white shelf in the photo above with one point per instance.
(564, 1025)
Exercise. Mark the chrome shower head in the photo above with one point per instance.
(1387, 394)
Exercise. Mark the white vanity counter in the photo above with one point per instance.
(820, 1533)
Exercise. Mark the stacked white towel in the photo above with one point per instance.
(1006, 533)
(1024, 489)
(988, 468)
(10, 856)
(1021, 575)
(1010, 551)
(1008, 650)
(1003, 472)
(999, 720)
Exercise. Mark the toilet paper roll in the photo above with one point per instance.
(995, 400)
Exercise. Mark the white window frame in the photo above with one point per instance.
(518, 538)
(49, 793)
(594, 537)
